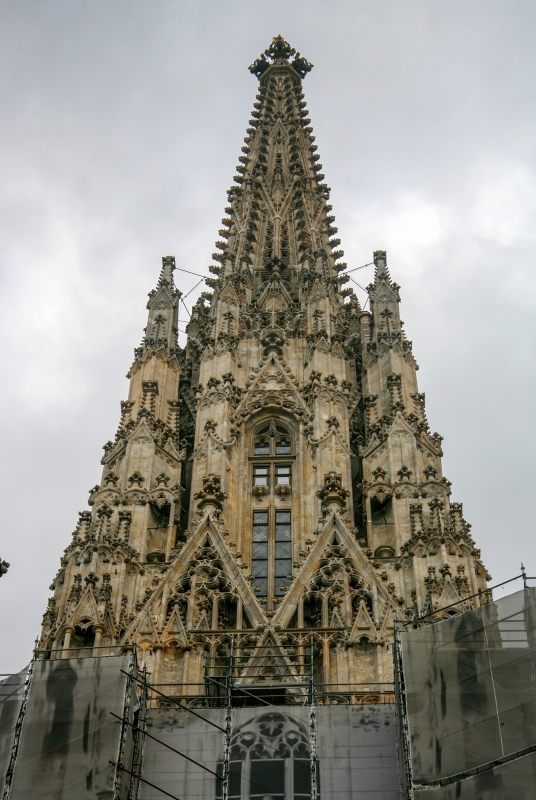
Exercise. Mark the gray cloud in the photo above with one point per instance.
(121, 126)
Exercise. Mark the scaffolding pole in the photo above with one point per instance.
(139, 740)
(228, 724)
(226, 673)
(131, 677)
(312, 726)
(404, 747)
(18, 729)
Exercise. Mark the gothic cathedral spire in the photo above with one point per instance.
(276, 477)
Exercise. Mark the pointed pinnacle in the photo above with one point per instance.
(166, 275)
(279, 52)
(381, 273)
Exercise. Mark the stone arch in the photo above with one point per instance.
(272, 416)
(270, 751)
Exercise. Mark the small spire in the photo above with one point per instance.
(166, 275)
(381, 273)
(279, 53)
(162, 323)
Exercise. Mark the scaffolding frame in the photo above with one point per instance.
(267, 675)
(129, 694)
(18, 730)
(404, 755)
(228, 674)
(403, 739)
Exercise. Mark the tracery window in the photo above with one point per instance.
(272, 439)
(271, 547)
(273, 444)
(270, 757)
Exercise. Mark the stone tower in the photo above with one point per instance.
(275, 481)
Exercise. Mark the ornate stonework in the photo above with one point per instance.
(277, 477)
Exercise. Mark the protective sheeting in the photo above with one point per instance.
(515, 780)
(470, 686)
(357, 753)
(188, 734)
(68, 735)
(271, 753)
(11, 693)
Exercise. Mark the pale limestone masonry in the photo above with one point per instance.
(277, 476)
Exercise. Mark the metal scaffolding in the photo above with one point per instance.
(465, 693)
(266, 677)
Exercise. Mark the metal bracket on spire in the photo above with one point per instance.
(279, 54)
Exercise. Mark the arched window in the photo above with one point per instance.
(270, 757)
(83, 635)
(272, 439)
(271, 547)
(273, 443)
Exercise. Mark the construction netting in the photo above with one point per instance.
(470, 693)
(68, 735)
(270, 753)
(11, 693)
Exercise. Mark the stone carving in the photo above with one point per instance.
(211, 495)
(333, 494)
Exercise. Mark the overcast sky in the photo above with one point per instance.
(121, 124)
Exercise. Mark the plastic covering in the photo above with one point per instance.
(356, 751)
(68, 735)
(470, 684)
(11, 693)
(270, 753)
(515, 780)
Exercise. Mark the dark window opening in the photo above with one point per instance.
(294, 620)
(357, 496)
(272, 439)
(157, 532)
(83, 637)
(182, 604)
(157, 557)
(312, 611)
(382, 512)
(187, 435)
(227, 613)
(271, 553)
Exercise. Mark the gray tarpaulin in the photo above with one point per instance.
(513, 781)
(357, 752)
(68, 735)
(270, 753)
(189, 735)
(11, 692)
(471, 695)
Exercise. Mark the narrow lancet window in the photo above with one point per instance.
(272, 465)
(259, 553)
(283, 552)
